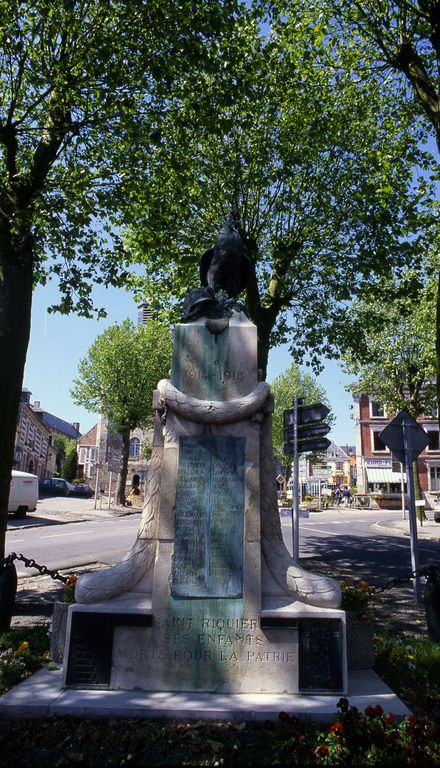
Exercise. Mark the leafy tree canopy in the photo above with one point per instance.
(121, 370)
(118, 376)
(75, 79)
(69, 467)
(78, 80)
(397, 36)
(394, 356)
(293, 382)
(321, 172)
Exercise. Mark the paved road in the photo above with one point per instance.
(374, 544)
(371, 545)
(75, 544)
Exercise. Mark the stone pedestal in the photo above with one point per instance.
(58, 631)
(213, 608)
(360, 646)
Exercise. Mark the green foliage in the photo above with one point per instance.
(22, 652)
(121, 370)
(146, 452)
(401, 37)
(64, 448)
(410, 665)
(392, 349)
(319, 168)
(284, 388)
(78, 83)
(69, 467)
(358, 597)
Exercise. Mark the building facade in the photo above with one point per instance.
(378, 471)
(36, 428)
(33, 442)
(99, 457)
(337, 467)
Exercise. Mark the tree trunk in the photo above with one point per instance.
(15, 322)
(122, 479)
(264, 312)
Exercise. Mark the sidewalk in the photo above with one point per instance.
(429, 529)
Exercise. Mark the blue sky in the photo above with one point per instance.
(58, 342)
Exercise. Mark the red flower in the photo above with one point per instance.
(322, 751)
(376, 711)
(337, 729)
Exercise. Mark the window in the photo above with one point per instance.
(377, 410)
(339, 465)
(135, 447)
(378, 445)
(92, 454)
(434, 443)
(435, 478)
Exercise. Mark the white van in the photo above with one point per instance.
(23, 494)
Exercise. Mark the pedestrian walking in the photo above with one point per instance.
(338, 496)
(347, 496)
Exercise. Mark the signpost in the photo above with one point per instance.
(303, 433)
(406, 440)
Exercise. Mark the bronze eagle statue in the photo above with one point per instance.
(225, 267)
(224, 273)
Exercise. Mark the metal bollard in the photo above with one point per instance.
(8, 590)
(432, 603)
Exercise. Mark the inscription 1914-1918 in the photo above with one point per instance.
(208, 538)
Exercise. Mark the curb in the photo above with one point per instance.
(399, 530)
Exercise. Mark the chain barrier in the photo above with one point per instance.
(30, 563)
(432, 573)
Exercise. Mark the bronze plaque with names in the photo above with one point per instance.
(209, 524)
(320, 655)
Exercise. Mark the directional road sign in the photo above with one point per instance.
(404, 437)
(306, 414)
(307, 446)
(309, 429)
(306, 430)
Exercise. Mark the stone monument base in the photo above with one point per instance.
(291, 648)
(209, 600)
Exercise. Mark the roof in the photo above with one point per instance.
(55, 424)
(335, 451)
(90, 437)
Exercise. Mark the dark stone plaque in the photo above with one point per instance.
(90, 651)
(320, 655)
(91, 643)
(208, 535)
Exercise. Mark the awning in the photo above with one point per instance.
(382, 475)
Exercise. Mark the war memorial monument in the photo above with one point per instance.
(209, 599)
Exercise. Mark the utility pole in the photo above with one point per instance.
(295, 473)
(303, 433)
(406, 440)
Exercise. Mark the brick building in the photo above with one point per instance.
(377, 470)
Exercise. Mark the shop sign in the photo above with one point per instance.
(383, 463)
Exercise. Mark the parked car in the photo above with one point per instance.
(56, 486)
(81, 489)
(23, 493)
